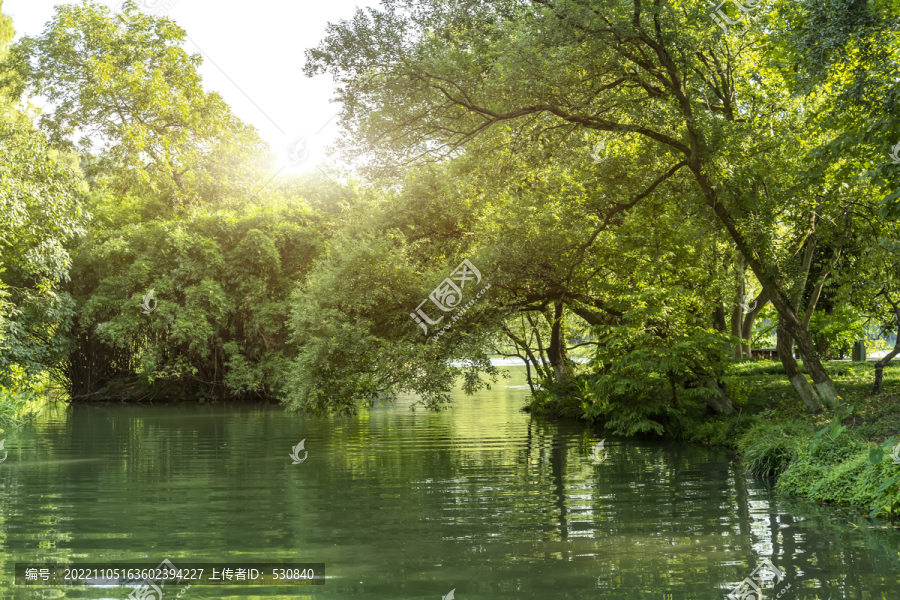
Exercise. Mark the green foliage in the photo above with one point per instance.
(878, 454)
(20, 402)
(837, 331)
(845, 53)
(842, 472)
(834, 430)
(624, 418)
(13, 406)
(515, 90)
(754, 368)
(41, 211)
(658, 360)
(640, 391)
(221, 280)
(304, 294)
(834, 466)
(351, 318)
(722, 431)
(546, 401)
(768, 448)
(177, 191)
(343, 306)
(131, 85)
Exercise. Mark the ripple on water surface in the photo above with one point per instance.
(481, 499)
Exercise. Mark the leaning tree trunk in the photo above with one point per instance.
(789, 321)
(797, 378)
(879, 366)
(719, 401)
(824, 386)
(779, 299)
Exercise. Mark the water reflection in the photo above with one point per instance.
(482, 498)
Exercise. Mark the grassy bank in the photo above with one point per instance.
(18, 406)
(844, 459)
(12, 408)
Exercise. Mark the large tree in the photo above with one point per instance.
(178, 191)
(421, 80)
(126, 94)
(521, 220)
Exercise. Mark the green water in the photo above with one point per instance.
(481, 498)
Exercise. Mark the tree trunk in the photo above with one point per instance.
(737, 350)
(789, 321)
(737, 307)
(557, 352)
(779, 299)
(747, 326)
(797, 378)
(719, 318)
(827, 392)
(719, 322)
(541, 367)
(879, 366)
(720, 402)
(529, 356)
(817, 289)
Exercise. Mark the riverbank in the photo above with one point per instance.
(843, 458)
(18, 406)
(13, 408)
(845, 461)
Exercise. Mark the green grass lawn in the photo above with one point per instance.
(770, 395)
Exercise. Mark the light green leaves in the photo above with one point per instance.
(153, 127)
(41, 213)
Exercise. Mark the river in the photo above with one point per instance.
(482, 500)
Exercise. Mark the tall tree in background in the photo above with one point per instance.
(174, 176)
(132, 93)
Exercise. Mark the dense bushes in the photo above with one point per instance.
(12, 407)
(221, 283)
(654, 369)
